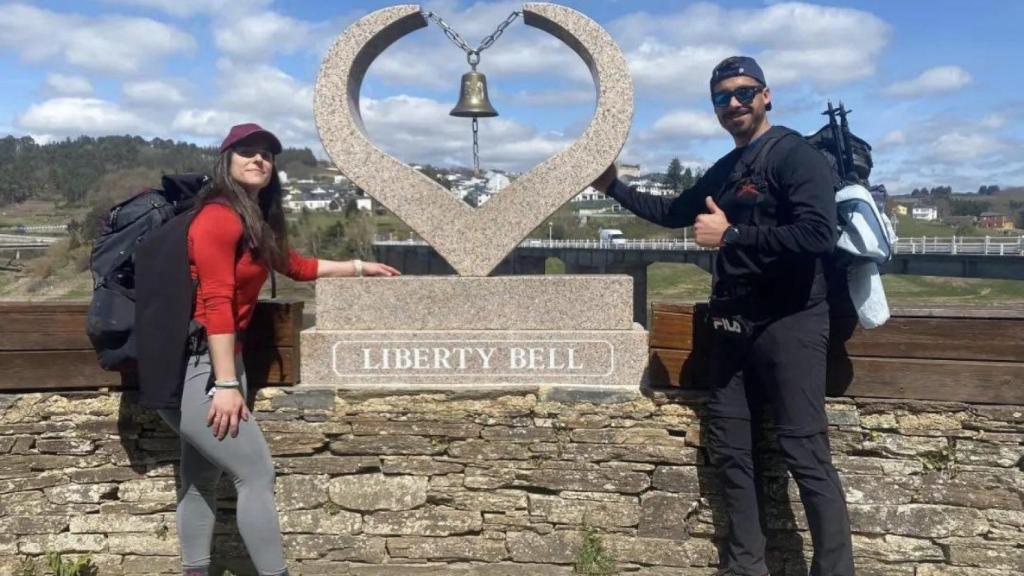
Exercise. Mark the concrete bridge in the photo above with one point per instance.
(994, 257)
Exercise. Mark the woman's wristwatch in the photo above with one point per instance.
(359, 266)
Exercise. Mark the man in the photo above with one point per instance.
(769, 207)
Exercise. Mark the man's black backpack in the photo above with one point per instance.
(848, 155)
(110, 322)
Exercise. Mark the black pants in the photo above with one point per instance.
(782, 362)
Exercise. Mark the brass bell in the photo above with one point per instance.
(473, 101)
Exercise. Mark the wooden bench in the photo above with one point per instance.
(43, 346)
(962, 355)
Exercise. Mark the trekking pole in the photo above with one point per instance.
(847, 148)
(837, 141)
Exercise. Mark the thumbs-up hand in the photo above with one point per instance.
(710, 227)
(712, 207)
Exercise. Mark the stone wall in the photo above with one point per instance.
(509, 483)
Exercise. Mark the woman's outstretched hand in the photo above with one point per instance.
(378, 269)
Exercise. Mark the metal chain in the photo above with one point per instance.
(472, 55)
(476, 149)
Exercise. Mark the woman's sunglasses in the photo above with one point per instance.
(252, 151)
(744, 95)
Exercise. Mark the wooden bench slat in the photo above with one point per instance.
(919, 337)
(934, 338)
(671, 330)
(903, 378)
(61, 326)
(64, 369)
(54, 369)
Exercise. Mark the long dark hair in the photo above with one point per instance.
(263, 226)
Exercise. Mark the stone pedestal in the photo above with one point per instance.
(449, 331)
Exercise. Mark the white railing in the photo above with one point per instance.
(626, 244)
(965, 245)
(26, 240)
(638, 244)
(43, 229)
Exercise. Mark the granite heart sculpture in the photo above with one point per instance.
(473, 240)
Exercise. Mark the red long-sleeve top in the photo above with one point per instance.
(228, 289)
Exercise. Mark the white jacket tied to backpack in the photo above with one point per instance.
(868, 236)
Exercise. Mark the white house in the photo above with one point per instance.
(297, 200)
(496, 182)
(928, 213)
(649, 186)
(364, 204)
(589, 194)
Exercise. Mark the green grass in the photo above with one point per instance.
(385, 223)
(682, 283)
(39, 213)
(685, 283)
(904, 290)
(910, 228)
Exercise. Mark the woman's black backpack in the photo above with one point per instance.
(110, 321)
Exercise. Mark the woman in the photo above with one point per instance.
(235, 238)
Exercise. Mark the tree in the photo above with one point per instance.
(674, 175)
(968, 207)
(359, 241)
(688, 179)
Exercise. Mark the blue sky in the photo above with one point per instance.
(935, 86)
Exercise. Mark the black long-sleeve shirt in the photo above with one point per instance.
(784, 231)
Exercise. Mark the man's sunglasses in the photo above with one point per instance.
(744, 95)
(252, 151)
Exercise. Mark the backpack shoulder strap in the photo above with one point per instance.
(752, 160)
(759, 163)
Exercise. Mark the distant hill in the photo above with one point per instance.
(74, 171)
(1014, 193)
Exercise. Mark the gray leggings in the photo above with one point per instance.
(204, 458)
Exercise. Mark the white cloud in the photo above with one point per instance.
(936, 80)
(948, 150)
(674, 53)
(956, 146)
(185, 8)
(554, 97)
(994, 121)
(259, 35)
(153, 93)
(427, 58)
(893, 138)
(254, 93)
(108, 44)
(75, 116)
(65, 85)
(669, 71)
(417, 129)
(686, 124)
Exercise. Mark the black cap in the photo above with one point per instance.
(737, 66)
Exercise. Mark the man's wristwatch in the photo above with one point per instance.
(731, 236)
